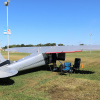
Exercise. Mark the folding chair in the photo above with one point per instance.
(66, 67)
(76, 64)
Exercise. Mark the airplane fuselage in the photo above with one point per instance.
(28, 63)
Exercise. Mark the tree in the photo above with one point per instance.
(5, 47)
(81, 44)
(53, 44)
(22, 45)
(61, 44)
(29, 45)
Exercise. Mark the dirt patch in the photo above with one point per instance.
(60, 93)
(67, 93)
(65, 88)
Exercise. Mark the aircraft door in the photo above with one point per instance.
(48, 59)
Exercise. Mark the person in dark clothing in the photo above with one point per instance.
(54, 60)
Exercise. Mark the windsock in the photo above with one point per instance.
(9, 32)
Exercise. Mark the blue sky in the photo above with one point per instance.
(51, 21)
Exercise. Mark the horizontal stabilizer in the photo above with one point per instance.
(7, 72)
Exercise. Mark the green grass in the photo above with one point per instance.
(40, 84)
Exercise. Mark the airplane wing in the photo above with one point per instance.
(55, 49)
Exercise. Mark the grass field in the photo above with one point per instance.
(42, 84)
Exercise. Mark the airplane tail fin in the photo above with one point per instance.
(2, 59)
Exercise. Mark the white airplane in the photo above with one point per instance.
(39, 56)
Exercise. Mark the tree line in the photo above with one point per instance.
(38, 45)
(31, 45)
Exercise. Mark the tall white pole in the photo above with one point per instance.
(6, 4)
(7, 34)
(0, 46)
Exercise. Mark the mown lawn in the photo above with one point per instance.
(42, 84)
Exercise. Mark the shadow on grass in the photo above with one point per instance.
(6, 81)
(83, 72)
(50, 68)
(46, 67)
(80, 72)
